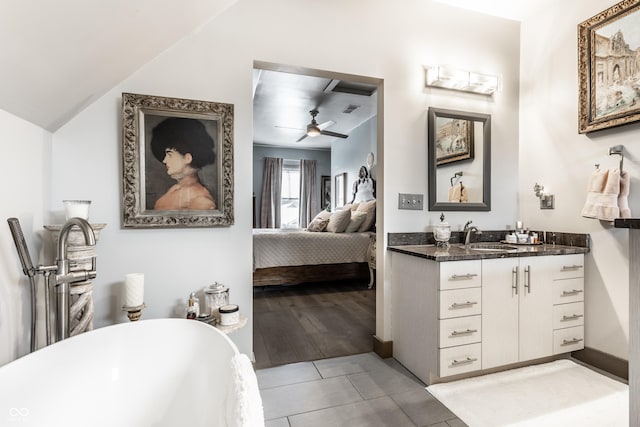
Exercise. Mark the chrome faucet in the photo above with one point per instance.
(468, 228)
(64, 277)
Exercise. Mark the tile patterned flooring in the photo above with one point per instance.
(354, 391)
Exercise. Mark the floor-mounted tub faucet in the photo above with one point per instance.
(64, 277)
(468, 228)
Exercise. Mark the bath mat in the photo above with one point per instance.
(560, 393)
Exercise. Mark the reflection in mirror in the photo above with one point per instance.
(459, 160)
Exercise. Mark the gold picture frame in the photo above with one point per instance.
(608, 68)
(154, 192)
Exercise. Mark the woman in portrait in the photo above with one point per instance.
(364, 188)
(184, 147)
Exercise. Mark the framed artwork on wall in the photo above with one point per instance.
(325, 191)
(453, 138)
(609, 68)
(177, 159)
(340, 189)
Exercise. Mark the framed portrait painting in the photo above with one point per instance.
(325, 190)
(609, 68)
(177, 158)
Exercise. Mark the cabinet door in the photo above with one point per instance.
(499, 312)
(536, 308)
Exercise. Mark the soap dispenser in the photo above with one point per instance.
(442, 233)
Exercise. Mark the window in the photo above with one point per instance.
(290, 198)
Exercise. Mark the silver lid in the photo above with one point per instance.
(216, 288)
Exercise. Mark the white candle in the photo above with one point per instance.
(134, 289)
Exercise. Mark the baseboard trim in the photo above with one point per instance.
(383, 349)
(604, 361)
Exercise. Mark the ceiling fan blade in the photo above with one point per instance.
(334, 134)
(287, 127)
(323, 126)
(302, 137)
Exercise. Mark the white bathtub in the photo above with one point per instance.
(164, 372)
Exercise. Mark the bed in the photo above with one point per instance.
(292, 256)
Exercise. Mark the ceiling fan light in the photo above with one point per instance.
(313, 131)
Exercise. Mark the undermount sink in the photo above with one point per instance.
(489, 247)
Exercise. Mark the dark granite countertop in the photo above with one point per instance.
(627, 223)
(457, 252)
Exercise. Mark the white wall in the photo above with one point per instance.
(552, 153)
(382, 39)
(347, 155)
(25, 173)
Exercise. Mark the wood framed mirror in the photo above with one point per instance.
(459, 160)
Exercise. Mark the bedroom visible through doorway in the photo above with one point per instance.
(311, 289)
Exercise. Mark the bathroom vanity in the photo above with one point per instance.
(461, 311)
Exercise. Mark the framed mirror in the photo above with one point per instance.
(459, 160)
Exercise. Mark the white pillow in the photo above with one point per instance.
(339, 221)
(370, 209)
(356, 220)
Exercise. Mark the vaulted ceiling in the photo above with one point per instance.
(57, 57)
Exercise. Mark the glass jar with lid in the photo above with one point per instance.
(216, 296)
(442, 233)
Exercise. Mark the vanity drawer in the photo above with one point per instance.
(460, 274)
(568, 315)
(461, 359)
(569, 339)
(460, 331)
(567, 266)
(460, 302)
(569, 290)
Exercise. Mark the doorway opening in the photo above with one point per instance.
(307, 307)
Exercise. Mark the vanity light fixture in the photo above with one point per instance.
(546, 200)
(446, 77)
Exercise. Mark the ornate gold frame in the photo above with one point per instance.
(596, 71)
(138, 112)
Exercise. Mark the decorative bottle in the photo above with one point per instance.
(193, 306)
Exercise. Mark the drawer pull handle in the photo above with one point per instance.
(573, 292)
(456, 305)
(463, 276)
(467, 332)
(572, 341)
(574, 317)
(463, 362)
(571, 267)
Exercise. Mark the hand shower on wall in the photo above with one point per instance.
(61, 278)
(30, 271)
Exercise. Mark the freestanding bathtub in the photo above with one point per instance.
(163, 372)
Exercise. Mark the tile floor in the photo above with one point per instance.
(359, 390)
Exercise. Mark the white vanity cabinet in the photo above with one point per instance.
(518, 298)
(568, 304)
(437, 309)
(454, 317)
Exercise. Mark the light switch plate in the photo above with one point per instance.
(411, 201)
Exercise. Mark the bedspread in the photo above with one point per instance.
(287, 247)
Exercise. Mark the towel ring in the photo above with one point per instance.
(456, 175)
(617, 149)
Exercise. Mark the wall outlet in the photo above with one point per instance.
(411, 201)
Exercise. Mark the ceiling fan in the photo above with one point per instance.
(315, 129)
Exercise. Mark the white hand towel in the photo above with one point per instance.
(623, 202)
(602, 195)
(244, 404)
(454, 193)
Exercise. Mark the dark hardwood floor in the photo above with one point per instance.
(312, 321)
